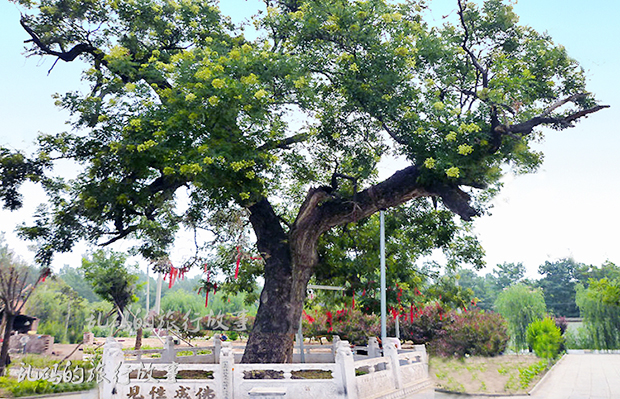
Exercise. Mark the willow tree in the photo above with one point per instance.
(288, 128)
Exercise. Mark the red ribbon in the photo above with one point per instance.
(238, 262)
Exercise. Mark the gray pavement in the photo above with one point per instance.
(581, 376)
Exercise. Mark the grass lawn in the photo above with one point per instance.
(507, 374)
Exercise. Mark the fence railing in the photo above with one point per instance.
(132, 375)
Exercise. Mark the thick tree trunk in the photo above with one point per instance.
(4, 351)
(271, 340)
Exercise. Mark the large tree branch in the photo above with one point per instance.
(284, 143)
(67, 56)
(483, 72)
(525, 128)
(87, 48)
(321, 211)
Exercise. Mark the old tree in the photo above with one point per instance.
(286, 129)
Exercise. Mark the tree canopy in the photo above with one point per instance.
(111, 279)
(285, 130)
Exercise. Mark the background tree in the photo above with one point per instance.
(507, 274)
(17, 283)
(61, 311)
(600, 308)
(486, 288)
(111, 279)
(180, 100)
(558, 284)
(520, 305)
(74, 278)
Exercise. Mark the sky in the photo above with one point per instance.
(567, 209)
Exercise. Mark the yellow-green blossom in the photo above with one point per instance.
(250, 79)
(218, 83)
(430, 163)
(213, 100)
(191, 169)
(465, 149)
(244, 196)
(301, 82)
(190, 97)
(146, 145)
(451, 136)
(353, 67)
(260, 94)
(453, 172)
(438, 106)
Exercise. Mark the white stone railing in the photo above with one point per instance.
(394, 375)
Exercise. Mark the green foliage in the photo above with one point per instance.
(110, 278)
(62, 312)
(520, 305)
(545, 338)
(475, 333)
(39, 387)
(507, 274)
(75, 279)
(185, 100)
(184, 302)
(600, 317)
(348, 257)
(558, 285)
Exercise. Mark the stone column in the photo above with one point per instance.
(227, 363)
(169, 354)
(373, 347)
(390, 351)
(112, 360)
(344, 360)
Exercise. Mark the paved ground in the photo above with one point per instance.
(593, 376)
(576, 376)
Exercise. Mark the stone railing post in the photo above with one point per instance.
(344, 360)
(373, 347)
(112, 360)
(335, 342)
(390, 351)
(217, 347)
(227, 363)
(169, 354)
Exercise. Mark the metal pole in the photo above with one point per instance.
(398, 327)
(300, 337)
(383, 301)
(148, 291)
(158, 294)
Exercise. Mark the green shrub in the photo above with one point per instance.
(545, 338)
(475, 333)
